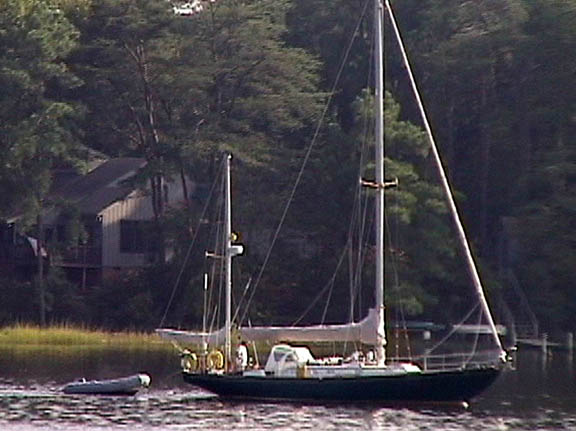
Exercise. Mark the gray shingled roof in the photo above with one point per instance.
(102, 186)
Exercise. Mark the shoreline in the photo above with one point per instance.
(64, 336)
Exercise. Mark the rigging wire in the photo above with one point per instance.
(355, 220)
(218, 246)
(306, 157)
(330, 292)
(356, 283)
(454, 328)
(358, 219)
(246, 288)
(473, 271)
(328, 285)
(393, 259)
(188, 252)
(476, 340)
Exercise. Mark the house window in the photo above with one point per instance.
(135, 236)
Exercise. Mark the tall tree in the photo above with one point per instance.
(122, 55)
(180, 90)
(465, 58)
(35, 119)
(545, 193)
(337, 31)
(177, 90)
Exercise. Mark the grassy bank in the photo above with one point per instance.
(69, 336)
(73, 338)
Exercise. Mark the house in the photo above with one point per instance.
(101, 224)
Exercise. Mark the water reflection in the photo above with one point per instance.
(31, 365)
(540, 395)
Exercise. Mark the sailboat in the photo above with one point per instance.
(292, 373)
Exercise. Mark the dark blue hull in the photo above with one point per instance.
(427, 387)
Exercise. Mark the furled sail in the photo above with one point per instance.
(365, 331)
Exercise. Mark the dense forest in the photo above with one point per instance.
(256, 78)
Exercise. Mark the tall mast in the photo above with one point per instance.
(379, 137)
(228, 269)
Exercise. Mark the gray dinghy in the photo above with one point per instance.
(122, 386)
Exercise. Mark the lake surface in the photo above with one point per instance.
(539, 395)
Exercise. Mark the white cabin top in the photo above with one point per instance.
(285, 356)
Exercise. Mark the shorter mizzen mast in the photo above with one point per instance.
(228, 263)
(446, 186)
(231, 250)
(224, 334)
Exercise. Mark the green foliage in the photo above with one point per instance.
(546, 238)
(34, 119)
(326, 31)
(65, 302)
(422, 251)
(494, 75)
(19, 300)
(127, 77)
(221, 80)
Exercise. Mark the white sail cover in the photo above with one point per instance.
(365, 331)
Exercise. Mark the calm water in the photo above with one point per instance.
(539, 395)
